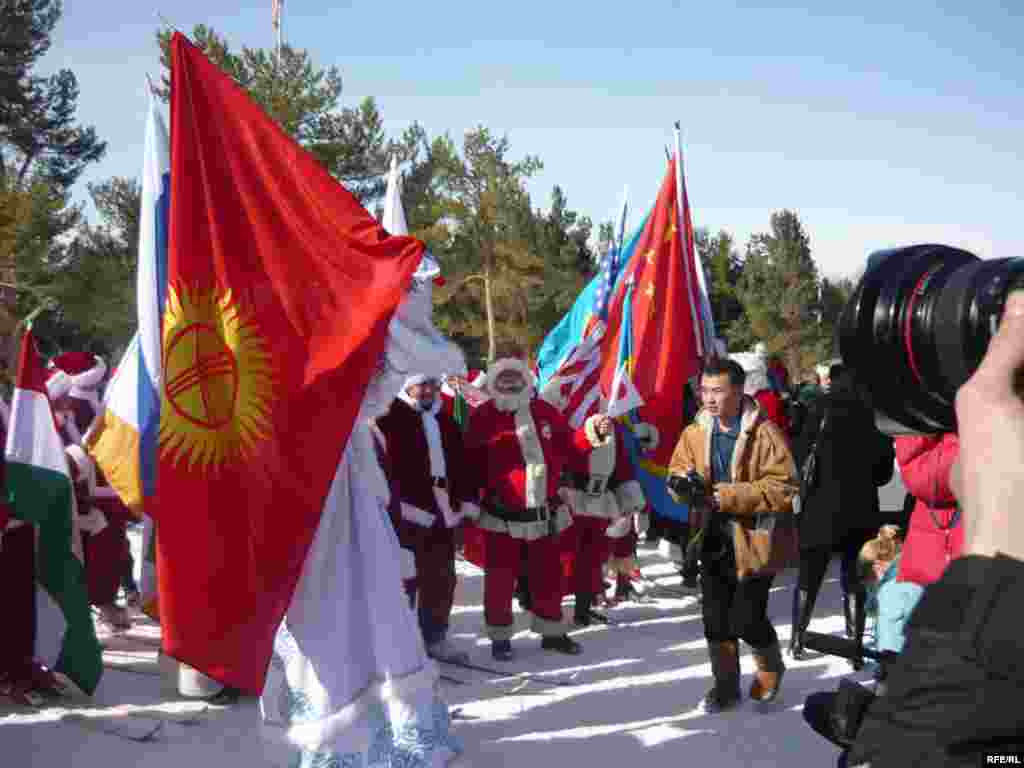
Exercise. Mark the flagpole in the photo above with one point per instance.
(681, 216)
(277, 20)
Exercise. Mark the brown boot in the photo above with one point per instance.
(768, 676)
(725, 668)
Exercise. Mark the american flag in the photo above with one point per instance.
(603, 294)
(575, 389)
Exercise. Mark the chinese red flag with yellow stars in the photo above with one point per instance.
(280, 288)
(653, 323)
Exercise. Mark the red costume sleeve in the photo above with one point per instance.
(474, 473)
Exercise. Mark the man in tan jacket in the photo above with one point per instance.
(748, 535)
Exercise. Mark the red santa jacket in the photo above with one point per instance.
(936, 532)
(97, 491)
(608, 471)
(497, 466)
(773, 407)
(409, 457)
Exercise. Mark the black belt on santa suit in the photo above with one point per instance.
(594, 485)
(519, 515)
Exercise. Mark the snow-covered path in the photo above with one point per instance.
(632, 702)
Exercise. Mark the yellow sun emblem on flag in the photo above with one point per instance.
(218, 379)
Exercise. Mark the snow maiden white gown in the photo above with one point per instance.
(350, 684)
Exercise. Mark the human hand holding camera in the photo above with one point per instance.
(987, 476)
(603, 425)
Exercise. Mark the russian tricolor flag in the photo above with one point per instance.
(123, 441)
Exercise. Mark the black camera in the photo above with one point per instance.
(690, 488)
(917, 327)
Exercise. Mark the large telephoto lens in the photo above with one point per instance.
(917, 326)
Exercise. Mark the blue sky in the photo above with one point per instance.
(881, 123)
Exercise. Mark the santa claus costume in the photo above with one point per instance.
(516, 449)
(73, 387)
(601, 491)
(426, 455)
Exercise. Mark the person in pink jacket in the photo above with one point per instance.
(936, 532)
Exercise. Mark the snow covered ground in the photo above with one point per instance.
(631, 702)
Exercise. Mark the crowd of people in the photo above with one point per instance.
(789, 477)
(74, 386)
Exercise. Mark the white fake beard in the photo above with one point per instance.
(511, 403)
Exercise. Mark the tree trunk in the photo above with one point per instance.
(489, 306)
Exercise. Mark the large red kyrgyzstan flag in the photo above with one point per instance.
(280, 289)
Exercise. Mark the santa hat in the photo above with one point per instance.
(822, 370)
(417, 378)
(85, 369)
(58, 384)
(477, 378)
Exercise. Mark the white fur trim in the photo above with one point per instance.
(416, 515)
(317, 734)
(585, 504)
(58, 385)
(535, 485)
(415, 404)
(470, 510)
(648, 436)
(406, 563)
(416, 378)
(90, 380)
(547, 627)
(601, 461)
(86, 467)
(619, 528)
(643, 522)
(630, 496)
(526, 531)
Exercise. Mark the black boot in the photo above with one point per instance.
(562, 644)
(803, 607)
(585, 615)
(725, 668)
(623, 589)
(584, 602)
(501, 650)
(855, 612)
(848, 615)
(523, 596)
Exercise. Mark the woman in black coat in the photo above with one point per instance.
(841, 510)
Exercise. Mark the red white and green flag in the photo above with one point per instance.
(39, 483)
